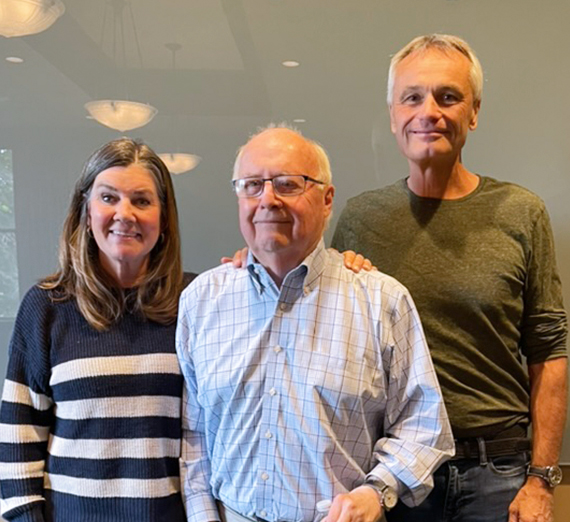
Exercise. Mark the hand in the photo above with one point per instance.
(534, 502)
(357, 262)
(360, 505)
(239, 259)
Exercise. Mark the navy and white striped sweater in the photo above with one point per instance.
(90, 421)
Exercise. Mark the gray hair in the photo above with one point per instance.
(323, 163)
(445, 43)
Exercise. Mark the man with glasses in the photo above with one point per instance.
(303, 381)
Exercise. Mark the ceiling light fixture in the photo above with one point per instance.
(121, 115)
(179, 162)
(14, 59)
(299, 120)
(23, 17)
(290, 63)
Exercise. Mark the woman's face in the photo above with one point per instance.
(124, 216)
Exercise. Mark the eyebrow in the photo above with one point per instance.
(114, 189)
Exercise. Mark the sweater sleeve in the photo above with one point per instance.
(545, 327)
(26, 412)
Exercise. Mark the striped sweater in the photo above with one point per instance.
(89, 421)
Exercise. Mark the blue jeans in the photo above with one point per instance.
(469, 491)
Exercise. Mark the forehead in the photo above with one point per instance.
(277, 152)
(132, 178)
(433, 68)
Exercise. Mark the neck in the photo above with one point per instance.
(126, 275)
(441, 181)
(276, 266)
(279, 263)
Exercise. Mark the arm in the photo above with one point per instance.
(194, 461)
(417, 436)
(548, 396)
(543, 342)
(25, 418)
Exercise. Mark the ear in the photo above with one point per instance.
(329, 196)
(475, 116)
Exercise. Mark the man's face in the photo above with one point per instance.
(432, 107)
(272, 224)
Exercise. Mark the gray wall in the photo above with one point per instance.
(211, 106)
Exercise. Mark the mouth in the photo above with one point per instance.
(125, 235)
(429, 132)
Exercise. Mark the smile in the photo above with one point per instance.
(124, 234)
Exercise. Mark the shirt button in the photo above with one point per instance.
(263, 513)
(272, 392)
(277, 349)
(283, 307)
(264, 476)
(268, 435)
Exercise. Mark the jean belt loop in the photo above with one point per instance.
(482, 451)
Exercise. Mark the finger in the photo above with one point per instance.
(367, 265)
(348, 256)
(225, 260)
(335, 509)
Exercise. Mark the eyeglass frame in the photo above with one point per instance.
(265, 180)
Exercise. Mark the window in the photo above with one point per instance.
(9, 293)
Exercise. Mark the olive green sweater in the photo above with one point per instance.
(483, 274)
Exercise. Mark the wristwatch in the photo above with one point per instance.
(387, 495)
(552, 475)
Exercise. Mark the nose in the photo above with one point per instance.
(268, 198)
(430, 109)
(124, 210)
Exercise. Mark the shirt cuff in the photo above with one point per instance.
(201, 507)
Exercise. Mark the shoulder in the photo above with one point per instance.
(389, 192)
(510, 193)
(36, 302)
(375, 285)
(384, 200)
(34, 321)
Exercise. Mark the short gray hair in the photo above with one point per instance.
(445, 43)
(323, 162)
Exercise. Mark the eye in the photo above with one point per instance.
(289, 184)
(411, 98)
(107, 198)
(449, 98)
(142, 202)
(252, 185)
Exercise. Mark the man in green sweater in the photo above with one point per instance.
(477, 255)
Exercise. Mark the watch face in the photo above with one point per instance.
(554, 475)
(389, 498)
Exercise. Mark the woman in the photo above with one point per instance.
(91, 405)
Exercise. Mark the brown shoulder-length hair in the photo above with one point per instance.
(80, 273)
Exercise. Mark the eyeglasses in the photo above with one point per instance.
(283, 185)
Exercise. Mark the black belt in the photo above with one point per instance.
(508, 442)
(469, 448)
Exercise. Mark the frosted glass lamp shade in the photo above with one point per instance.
(178, 163)
(23, 17)
(121, 115)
